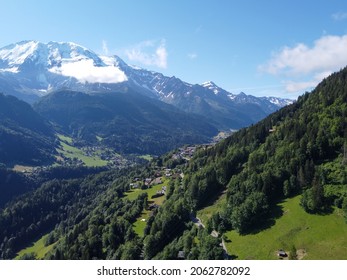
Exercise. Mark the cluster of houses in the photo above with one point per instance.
(114, 160)
(66, 161)
(156, 178)
(29, 171)
(222, 135)
(160, 192)
(184, 153)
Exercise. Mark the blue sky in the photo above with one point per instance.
(270, 47)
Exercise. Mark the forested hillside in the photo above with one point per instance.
(126, 121)
(299, 151)
(25, 137)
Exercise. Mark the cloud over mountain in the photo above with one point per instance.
(85, 71)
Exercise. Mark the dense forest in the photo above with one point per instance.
(299, 150)
(127, 122)
(25, 137)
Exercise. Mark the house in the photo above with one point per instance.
(181, 255)
(282, 254)
(148, 181)
(134, 185)
(160, 193)
(156, 181)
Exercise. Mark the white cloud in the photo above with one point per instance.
(339, 16)
(293, 87)
(85, 71)
(303, 66)
(300, 86)
(328, 53)
(149, 54)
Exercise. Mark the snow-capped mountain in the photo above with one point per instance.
(244, 98)
(30, 69)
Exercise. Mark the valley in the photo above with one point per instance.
(92, 156)
(124, 170)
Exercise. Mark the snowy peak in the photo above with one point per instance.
(280, 102)
(212, 86)
(218, 90)
(30, 69)
(209, 84)
(244, 98)
(60, 58)
(16, 54)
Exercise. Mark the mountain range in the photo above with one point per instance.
(31, 69)
(268, 186)
(128, 122)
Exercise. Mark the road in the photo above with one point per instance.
(214, 233)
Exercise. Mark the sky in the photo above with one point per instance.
(264, 48)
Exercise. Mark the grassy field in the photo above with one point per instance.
(72, 152)
(146, 157)
(206, 213)
(38, 248)
(141, 221)
(65, 139)
(316, 236)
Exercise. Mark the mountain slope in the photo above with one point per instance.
(299, 151)
(30, 69)
(25, 138)
(296, 152)
(226, 110)
(128, 122)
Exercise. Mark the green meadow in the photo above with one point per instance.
(314, 236)
(72, 152)
(141, 221)
(38, 249)
(206, 213)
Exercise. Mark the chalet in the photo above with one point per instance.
(134, 185)
(148, 181)
(181, 255)
(281, 253)
(156, 181)
(160, 193)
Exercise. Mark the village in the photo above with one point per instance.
(99, 156)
